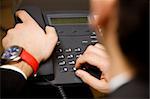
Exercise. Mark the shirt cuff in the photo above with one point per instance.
(14, 68)
(118, 81)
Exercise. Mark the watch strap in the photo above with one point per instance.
(29, 59)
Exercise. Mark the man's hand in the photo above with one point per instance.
(31, 37)
(96, 56)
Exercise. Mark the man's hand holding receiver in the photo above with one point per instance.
(30, 36)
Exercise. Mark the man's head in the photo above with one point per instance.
(125, 24)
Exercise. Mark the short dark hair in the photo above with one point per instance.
(133, 34)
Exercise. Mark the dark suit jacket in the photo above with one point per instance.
(135, 89)
(11, 82)
(14, 85)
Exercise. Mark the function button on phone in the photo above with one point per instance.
(65, 69)
(93, 37)
(85, 42)
(70, 56)
(62, 63)
(93, 34)
(59, 50)
(68, 50)
(77, 49)
(94, 41)
(61, 57)
(71, 63)
(74, 69)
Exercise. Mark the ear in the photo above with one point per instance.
(102, 10)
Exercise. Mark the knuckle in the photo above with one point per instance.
(21, 12)
(4, 40)
(53, 29)
(97, 44)
(10, 31)
(89, 49)
(88, 54)
(80, 60)
(19, 25)
(77, 60)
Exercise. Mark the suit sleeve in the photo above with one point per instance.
(11, 82)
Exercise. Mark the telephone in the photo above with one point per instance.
(74, 36)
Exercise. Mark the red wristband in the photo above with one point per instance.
(28, 58)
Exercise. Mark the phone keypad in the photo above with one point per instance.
(77, 49)
(65, 69)
(71, 56)
(59, 50)
(84, 42)
(66, 55)
(71, 62)
(61, 57)
(68, 50)
(62, 63)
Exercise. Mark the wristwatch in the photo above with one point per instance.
(16, 54)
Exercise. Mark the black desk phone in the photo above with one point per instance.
(74, 36)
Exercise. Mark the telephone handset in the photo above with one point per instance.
(74, 36)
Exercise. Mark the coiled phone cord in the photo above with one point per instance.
(60, 88)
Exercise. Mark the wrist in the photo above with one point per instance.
(15, 54)
(30, 60)
(35, 55)
(24, 67)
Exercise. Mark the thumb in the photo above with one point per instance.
(50, 40)
(100, 85)
(51, 34)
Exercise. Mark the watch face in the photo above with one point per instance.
(11, 53)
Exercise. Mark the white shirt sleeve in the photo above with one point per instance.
(118, 81)
(14, 68)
